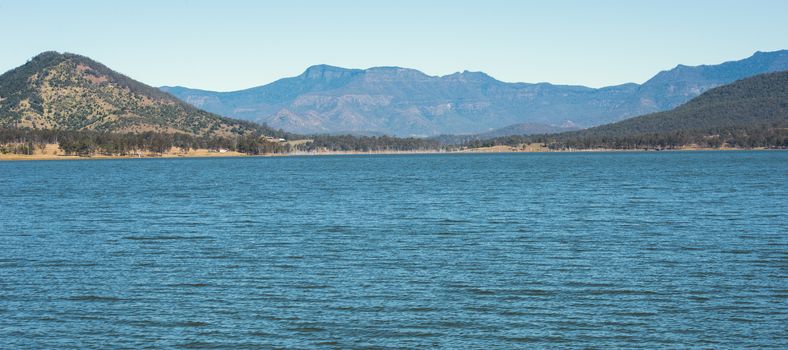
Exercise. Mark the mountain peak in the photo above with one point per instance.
(394, 73)
(47, 55)
(468, 76)
(770, 53)
(47, 58)
(72, 92)
(327, 72)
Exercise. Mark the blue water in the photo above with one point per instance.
(496, 251)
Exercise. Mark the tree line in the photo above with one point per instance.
(346, 143)
(88, 143)
(754, 136)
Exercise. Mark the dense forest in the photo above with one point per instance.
(88, 143)
(345, 143)
(758, 136)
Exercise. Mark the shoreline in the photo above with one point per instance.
(51, 152)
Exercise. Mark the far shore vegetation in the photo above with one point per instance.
(54, 144)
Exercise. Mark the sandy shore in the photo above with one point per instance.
(52, 152)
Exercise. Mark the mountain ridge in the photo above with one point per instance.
(406, 102)
(748, 113)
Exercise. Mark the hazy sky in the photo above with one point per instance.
(229, 45)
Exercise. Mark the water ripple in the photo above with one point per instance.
(622, 250)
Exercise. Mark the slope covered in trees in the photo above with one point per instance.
(750, 112)
(89, 143)
(71, 92)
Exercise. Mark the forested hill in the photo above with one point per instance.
(751, 112)
(55, 91)
(760, 101)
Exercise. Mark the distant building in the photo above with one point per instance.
(274, 139)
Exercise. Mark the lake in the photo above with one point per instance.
(468, 251)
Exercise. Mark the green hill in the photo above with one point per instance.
(56, 91)
(761, 100)
(751, 112)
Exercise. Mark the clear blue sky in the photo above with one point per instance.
(228, 45)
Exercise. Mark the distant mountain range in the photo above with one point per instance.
(71, 92)
(406, 102)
